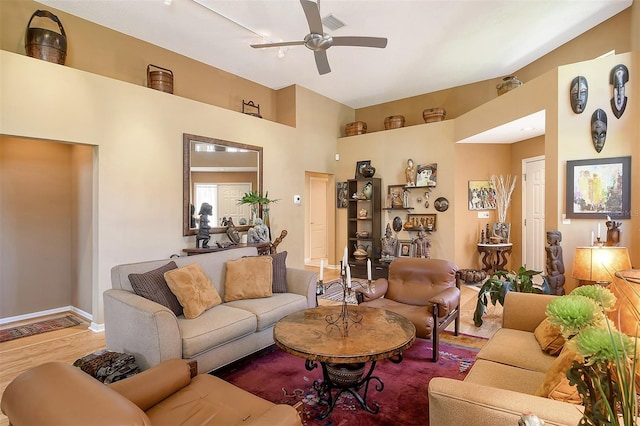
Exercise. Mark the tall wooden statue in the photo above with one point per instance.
(555, 264)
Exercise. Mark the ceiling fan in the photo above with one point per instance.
(319, 42)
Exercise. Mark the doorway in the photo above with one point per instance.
(533, 222)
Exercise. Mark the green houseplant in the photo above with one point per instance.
(605, 372)
(256, 200)
(500, 283)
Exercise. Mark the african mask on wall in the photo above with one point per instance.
(599, 129)
(618, 78)
(578, 94)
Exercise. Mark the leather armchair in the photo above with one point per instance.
(425, 291)
(56, 393)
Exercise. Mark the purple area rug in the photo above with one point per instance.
(283, 379)
(38, 327)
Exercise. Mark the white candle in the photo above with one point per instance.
(592, 239)
(369, 269)
(598, 230)
(321, 269)
(345, 257)
(348, 277)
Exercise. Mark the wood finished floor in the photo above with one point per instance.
(69, 344)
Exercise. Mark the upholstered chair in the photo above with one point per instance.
(425, 291)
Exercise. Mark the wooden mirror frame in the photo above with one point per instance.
(186, 179)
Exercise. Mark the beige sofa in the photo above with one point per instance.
(56, 393)
(219, 336)
(500, 386)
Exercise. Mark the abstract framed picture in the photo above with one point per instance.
(405, 248)
(599, 188)
(482, 195)
(342, 195)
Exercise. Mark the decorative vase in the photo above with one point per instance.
(265, 216)
(362, 214)
(367, 190)
(355, 128)
(368, 171)
(433, 115)
(254, 213)
(508, 83)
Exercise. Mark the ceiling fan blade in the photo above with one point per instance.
(312, 12)
(322, 62)
(283, 43)
(360, 41)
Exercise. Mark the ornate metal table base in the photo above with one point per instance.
(347, 378)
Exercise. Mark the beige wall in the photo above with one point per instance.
(137, 133)
(43, 212)
(102, 51)
(614, 34)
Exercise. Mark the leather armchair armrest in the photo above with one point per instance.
(382, 285)
(148, 388)
(447, 300)
(56, 393)
(277, 415)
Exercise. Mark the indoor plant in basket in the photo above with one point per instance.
(502, 282)
(605, 368)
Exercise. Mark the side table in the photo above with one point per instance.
(494, 256)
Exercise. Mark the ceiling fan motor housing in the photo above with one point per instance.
(318, 42)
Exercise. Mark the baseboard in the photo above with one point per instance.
(95, 327)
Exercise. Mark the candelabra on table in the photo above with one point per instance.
(345, 319)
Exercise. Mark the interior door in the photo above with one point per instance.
(533, 228)
(318, 244)
(228, 196)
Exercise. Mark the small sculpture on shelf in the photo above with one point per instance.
(410, 173)
(422, 244)
(203, 236)
(555, 263)
(259, 233)
(232, 232)
(613, 232)
(389, 245)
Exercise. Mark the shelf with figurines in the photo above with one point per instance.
(416, 222)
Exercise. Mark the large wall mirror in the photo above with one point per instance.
(218, 172)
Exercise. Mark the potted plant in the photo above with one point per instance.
(264, 202)
(502, 282)
(605, 369)
(256, 200)
(504, 187)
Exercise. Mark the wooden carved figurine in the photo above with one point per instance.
(555, 264)
(613, 232)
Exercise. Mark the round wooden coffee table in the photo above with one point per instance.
(376, 334)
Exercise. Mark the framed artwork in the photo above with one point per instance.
(405, 248)
(342, 195)
(395, 196)
(501, 230)
(598, 188)
(482, 195)
(359, 166)
(427, 175)
(428, 221)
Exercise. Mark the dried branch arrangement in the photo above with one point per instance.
(504, 187)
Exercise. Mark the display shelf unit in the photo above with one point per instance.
(372, 224)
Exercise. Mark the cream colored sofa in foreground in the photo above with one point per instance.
(217, 337)
(502, 382)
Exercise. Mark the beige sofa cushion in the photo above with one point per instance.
(269, 310)
(248, 278)
(516, 348)
(496, 375)
(193, 289)
(556, 384)
(549, 337)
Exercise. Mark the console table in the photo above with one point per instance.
(263, 248)
(494, 256)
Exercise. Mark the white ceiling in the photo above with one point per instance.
(433, 44)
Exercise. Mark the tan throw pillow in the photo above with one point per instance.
(556, 385)
(248, 278)
(549, 337)
(194, 290)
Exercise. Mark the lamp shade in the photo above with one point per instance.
(599, 263)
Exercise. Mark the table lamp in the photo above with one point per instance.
(599, 264)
